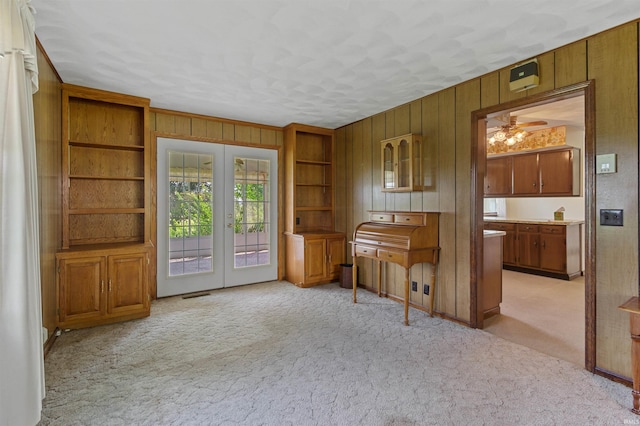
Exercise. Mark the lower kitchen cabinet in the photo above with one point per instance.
(553, 250)
(509, 249)
(314, 258)
(102, 285)
(528, 237)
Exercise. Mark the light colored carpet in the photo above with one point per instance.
(542, 313)
(275, 354)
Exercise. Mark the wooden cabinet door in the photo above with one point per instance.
(529, 249)
(127, 285)
(81, 289)
(553, 252)
(336, 256)
(509, 248)
(556, 172)
(525, 174)
(498, 178)
(315, 260)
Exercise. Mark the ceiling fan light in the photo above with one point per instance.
(500, 136)
(511, 141)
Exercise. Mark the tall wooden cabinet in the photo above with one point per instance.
(314, 250)
(104, 261)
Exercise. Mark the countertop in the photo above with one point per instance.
(533, 221)
(489, 234)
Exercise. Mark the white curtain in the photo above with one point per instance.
(21, 345)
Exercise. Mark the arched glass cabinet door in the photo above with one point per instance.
(388, 167)
(402, 164)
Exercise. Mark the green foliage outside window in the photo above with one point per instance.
(191, 212)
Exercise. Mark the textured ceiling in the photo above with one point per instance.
(322, 62)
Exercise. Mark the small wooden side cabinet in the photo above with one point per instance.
(633, 307)
(314, 258)
(102, 284)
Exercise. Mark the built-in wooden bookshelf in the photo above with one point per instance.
(105, 207)
(314, 249)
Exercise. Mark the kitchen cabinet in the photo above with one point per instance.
(509, 248)
(560, 249)
(492, 273)
(549, 249)
(533, 174)
(525, 174)
(102, 286)
(528, 245)
(314, 258)
(401, 163)
(498, 180)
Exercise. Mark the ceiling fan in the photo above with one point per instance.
(510, 132)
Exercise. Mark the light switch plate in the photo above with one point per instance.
(605, 163)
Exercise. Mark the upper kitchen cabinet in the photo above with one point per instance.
(551, 173)
(402, 163)
(498, 180)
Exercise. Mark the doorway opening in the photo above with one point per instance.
(520, 289)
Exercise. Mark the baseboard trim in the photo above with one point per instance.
(615, 377)
(418, 307)
(50, 341)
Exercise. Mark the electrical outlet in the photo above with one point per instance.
(426, 289)
(611, 217)
(414, 286)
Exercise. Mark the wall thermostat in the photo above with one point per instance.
(605, 163)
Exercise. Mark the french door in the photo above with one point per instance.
(217, 216)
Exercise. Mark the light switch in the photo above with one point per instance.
(605, 163)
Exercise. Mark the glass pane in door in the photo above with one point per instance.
(403, 164)
(252, 222)
(190, 213)
(388, 172)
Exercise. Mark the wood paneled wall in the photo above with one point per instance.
(47, 106)
(180, 125)
(444, 120)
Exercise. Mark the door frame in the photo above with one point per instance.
(478, 170)
(153, 190)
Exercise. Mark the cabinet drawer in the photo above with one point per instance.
(500, 226)
(409, 219)
(366, 251)
(525, 227)
(391, 256)
(381, 217)
(552, 229)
